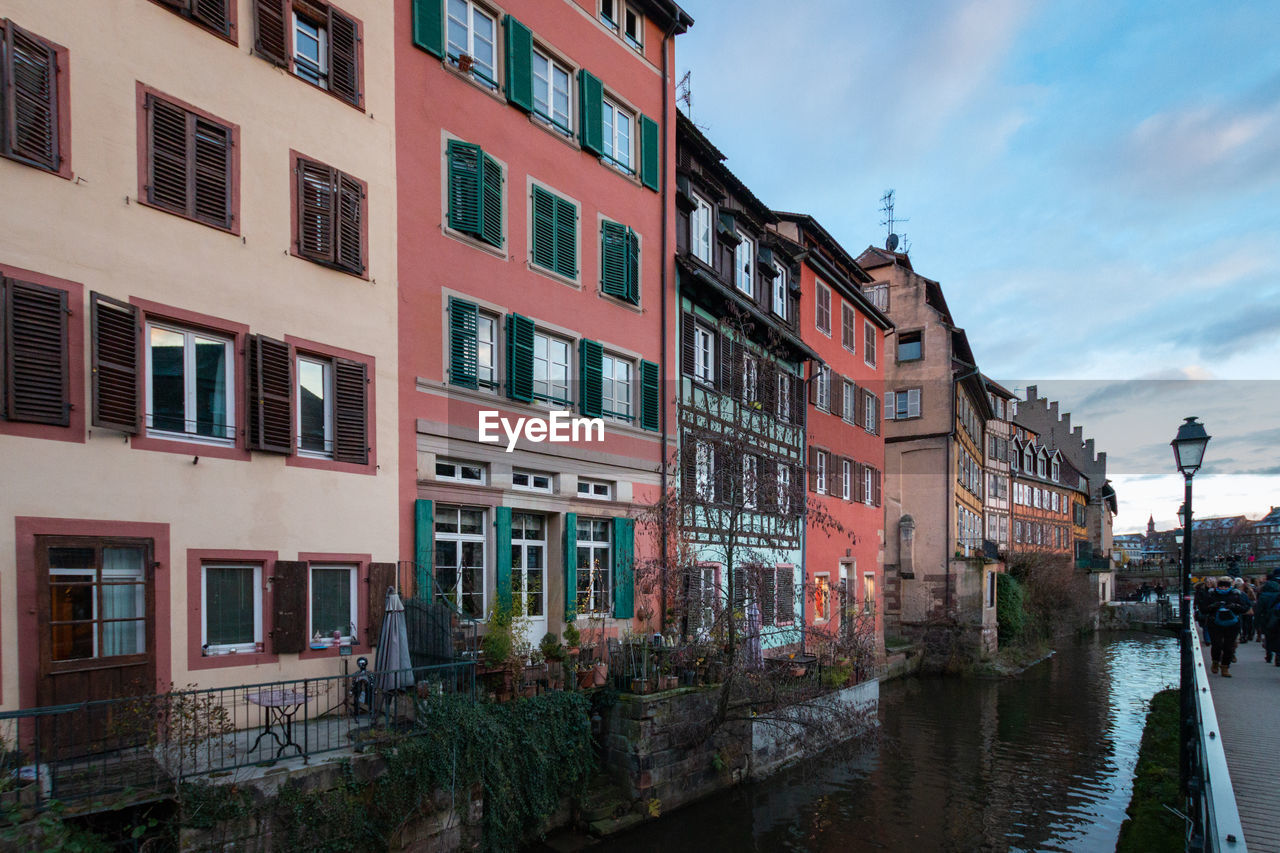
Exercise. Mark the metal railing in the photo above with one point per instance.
(1214, 819)
(140, 747)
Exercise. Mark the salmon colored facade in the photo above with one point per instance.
(844, 535)
(478, 293)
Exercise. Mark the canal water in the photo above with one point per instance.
(1043, 761)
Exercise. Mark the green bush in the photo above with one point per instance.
(1153, 822)
(1011, 614)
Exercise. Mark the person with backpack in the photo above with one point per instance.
(1222, 611)
(1267, 617)
(1246, 621)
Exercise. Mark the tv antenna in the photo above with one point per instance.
(890, 221)
(684, 93)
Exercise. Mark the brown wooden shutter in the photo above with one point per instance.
(798, 413)
(30, 98)
(269, 369)
(834, 473)
(688, 353)
(875, 481)
(726, 364)
(797, 490)
(350, 233)
(767, 385)
(766, 484)
(115, 363)
(768, 595)
(289, 607)
(786, 595)
(814, 377)
(214, 14)
(813, 468)
(167, 156)
(315, 210)
(344, 57)
(211, 183)
(381, 576)
(836, 396)
(36, 379)
(689, 468)
(723, 474)
(350, 412)
(271, 19)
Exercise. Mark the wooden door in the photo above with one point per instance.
(96, 619)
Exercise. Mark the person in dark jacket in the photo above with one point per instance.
(1198, 601)
(1223, 608)
(1266, 620)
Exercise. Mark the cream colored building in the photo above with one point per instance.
(143, 541)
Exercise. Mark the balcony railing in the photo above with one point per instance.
(139, 747)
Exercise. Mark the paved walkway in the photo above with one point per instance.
(1248, 707)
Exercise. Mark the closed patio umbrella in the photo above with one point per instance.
(392, 669)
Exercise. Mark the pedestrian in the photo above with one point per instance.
(1224, 607)
(1267, 621)
(1198, 603)
(1246, 620)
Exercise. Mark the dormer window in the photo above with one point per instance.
(1056, 471)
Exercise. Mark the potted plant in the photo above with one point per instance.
(497, 646)
(464, 62)
(572, 639)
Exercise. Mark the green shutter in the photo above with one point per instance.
(423, 547)
(465, 168)
(590, 112)
(491, 201)
(632, 243)
(624, 550)
(566, 238)
(650, 396)
(428, 26)
(570, 566)
(590, 378)
(544, 228)
(502, 523)
(613, 259)
(519, 64)
(519, 358)
(463, 346)
(649, 152)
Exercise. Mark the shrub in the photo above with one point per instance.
(1010, 613)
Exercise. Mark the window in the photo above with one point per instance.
(1027, 460)
(475, 192)
(820, 472)
(1040, 466)
(742, 255)
(784, 397)
(609, 13)
(704, 462)
(848, 327)
(231, 608)
(869, 593)
(550, 368)
(868, 485)
(333, 602)
(1053, 501)
(314, 41)
(213, 15)
(784, 489)
(330, 216)
(633, 27)
(750, 378)
(991, 589)
(620, 261)
(878, 295)
(1056, 471)
(901, 405)
(34, 347)
(460, 559)
(869, 344)
(188, 163)
(618, 136)
(846, 480)
(555, 233)
(472, 33)
(617, 384)
(749, 468)
(528, 564)
(822, 388)
(594, 566)
(1017, 531)
(822, 312)
(700, 229)
(910, 346)
(530, 481)
(849, 399)
(870, 412)
(551, 87)
(486, 350)
(821, 597)
(97, 600)
(190, 385)
(704, 355)
(315, 406)
(780, 292)
(473, 346)
(460, 472)
(29, 77)
(597, 489)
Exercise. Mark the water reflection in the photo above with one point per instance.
(1041, 762)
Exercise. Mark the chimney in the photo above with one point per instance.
(1031, 393)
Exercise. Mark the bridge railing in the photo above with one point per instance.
(1214, 823)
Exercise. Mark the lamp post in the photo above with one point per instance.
(1188, 449)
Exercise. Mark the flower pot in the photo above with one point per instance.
(798, 671)
(600, 675)
(639, 686)
(586, 678)
(464, 63)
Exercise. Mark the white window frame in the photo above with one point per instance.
(612, 135)
(780, 293)
(636, 40)
(457, 476)
(821, 474)
(353, 575)
(701, 234)
(847, 480)
(606, 557)
(823, 388)
(490, 76)
(549, 395)
(704, 355)
(784, 397)
(597, 490)
(868, 485)
(326, 365)
(1056, 471)
(239, 648)
(547, 112)
(460, 538)
(849, 400)
(742, 257)
(190, 416)
(486, 374)
(612, 405)
(870, 415)
(319, 74)
(868, 343)
(893, 400)
(750, 378)
(704, 471)
(530, 478)
(750, 481)
(784, 488)
(821, 291)
(848, 327)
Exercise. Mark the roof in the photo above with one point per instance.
(832, 243)
(850, 290)
(670, 16)
(715, 158)
(873, 257)
(996, 388)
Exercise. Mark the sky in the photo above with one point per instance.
(1095, 184)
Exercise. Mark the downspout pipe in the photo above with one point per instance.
(663, 532)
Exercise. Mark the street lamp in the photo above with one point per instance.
(1188, 449)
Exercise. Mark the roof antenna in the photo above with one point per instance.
(684, 93)
(892, 239)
